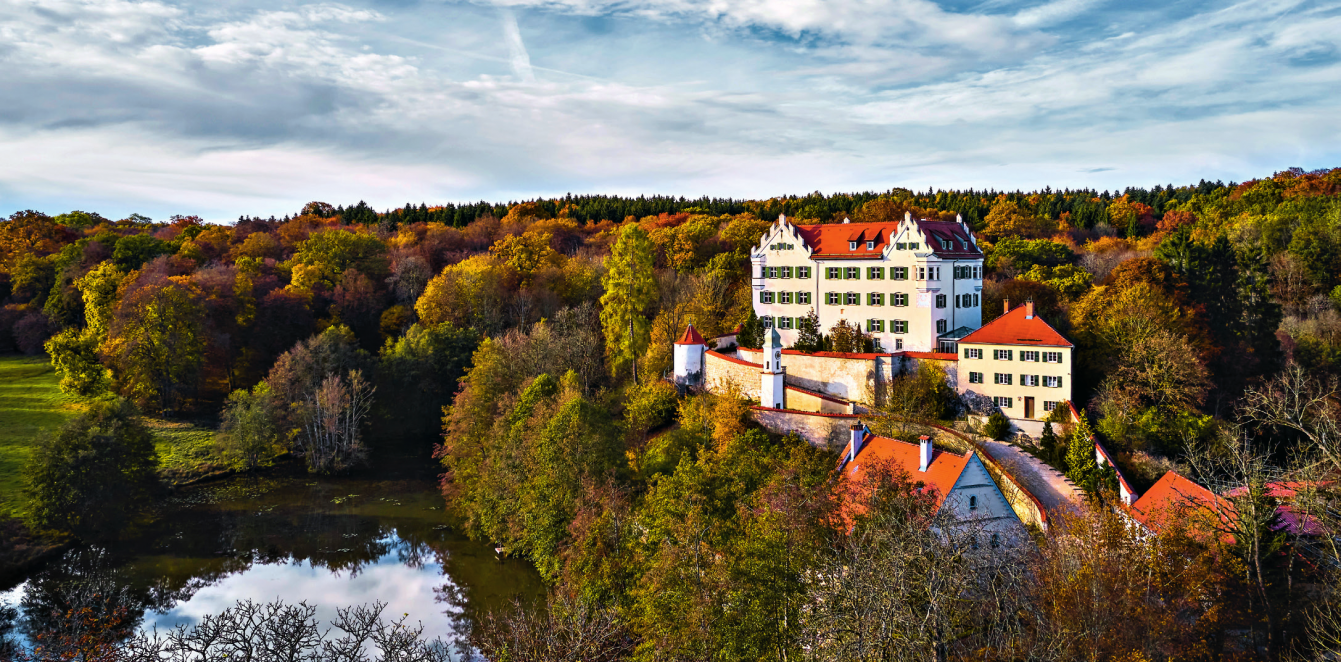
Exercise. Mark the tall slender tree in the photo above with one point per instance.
(629, 289)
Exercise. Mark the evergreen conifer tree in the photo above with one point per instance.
(751, 333)
(1080, 452)
(808, 337)
(1048, 444)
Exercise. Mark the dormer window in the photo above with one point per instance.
(852, 245)
(870, 245)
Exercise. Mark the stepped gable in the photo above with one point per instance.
(1017, 327)
(690, 337)
(941, 475)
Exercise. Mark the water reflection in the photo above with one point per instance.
(331, 542)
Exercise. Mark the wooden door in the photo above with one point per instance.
(1028, 407)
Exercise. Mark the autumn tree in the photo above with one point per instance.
(249, 433)
(156, 343)
(629, 290)
(1009, 218)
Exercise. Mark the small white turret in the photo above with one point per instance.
(772, 391)
(689, 351)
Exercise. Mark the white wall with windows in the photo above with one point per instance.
(1025, 382)
(904, 295)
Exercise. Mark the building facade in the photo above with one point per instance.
(914, 285)
(1019, 361)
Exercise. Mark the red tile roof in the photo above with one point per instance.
(1291, 519)
(941, 475)
(834, 239)
(690, 337)
(1174, 497)
(935, 356)
(1014, 328)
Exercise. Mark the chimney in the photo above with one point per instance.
(858, 433)
(924, 443)
(1029, 309)
(1005, 303)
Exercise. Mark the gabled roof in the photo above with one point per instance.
(941, 475)
(1175, 498)
(946, 239)
(690, 337)
(1015, 328)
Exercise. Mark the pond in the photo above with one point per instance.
(332, 542)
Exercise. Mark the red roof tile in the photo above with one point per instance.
(690, 337)
(1174, 497)
(834, 239)
(1014, 328)
(941, 475)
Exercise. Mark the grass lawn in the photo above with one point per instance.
(31, 403)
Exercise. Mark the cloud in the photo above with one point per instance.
(521, 60)
(181, 106)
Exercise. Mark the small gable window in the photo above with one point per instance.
(870, 245)
(973, 503)
(852, 245)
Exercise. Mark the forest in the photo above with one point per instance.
(526, 344)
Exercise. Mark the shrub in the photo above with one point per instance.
(95, 475)
(997, 427)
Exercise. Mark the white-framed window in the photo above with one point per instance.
(1028, 380)
(940, 300)
(975, 377)
(870, 245)
(803, 298)
(977, 273)
(765, 297)
(975, 301)
(784, 297)
(1052, 357)
(1026, 355)
(898, 273)
(784, 322)
(1051, 381)
(898, 344)
(921, 273)
(1001, 378)
(1049, 405)
(1003, 354)
(973, 353)
(1004, 403)
(785, 272)
(852, 273)
(899, 299)
(770, 272)
(833, 298)
(834, 273)
(803, 272)
(852, 299)
(898, 326)
(875, 326)
(875, 298)
(875, 273)
(942, 326)
(852, 245)
(767, 321)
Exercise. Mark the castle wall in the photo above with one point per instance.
(831, 431)
(811, 401)
(850, 377)
(720, 369)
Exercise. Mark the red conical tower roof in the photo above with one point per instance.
(690, 337)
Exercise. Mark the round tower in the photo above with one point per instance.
(689, 350)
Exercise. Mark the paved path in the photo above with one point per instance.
(1056, 492)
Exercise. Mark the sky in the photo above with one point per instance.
(221, 108)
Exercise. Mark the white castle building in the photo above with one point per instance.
(914, 285)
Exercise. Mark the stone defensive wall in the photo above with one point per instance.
(719, 370)
(947, 362)
(848, 376)
(831, 431)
